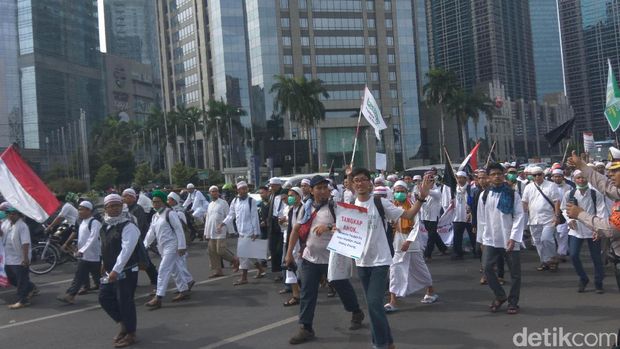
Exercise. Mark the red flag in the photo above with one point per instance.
(23, 189)
(471, 159)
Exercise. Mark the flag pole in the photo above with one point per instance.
(490, 152)
(357, 132)
(565, 152)
(448, 158)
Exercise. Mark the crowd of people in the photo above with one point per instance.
(502, 208)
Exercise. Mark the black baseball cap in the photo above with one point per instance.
(318, 179)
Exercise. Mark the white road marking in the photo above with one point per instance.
(252, 333)
(26, 322)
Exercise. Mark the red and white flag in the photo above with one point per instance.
(471, 159)
(23, 189)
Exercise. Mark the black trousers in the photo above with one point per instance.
(433, 239)
(19, 277)
(459, 228)
(84, 269)
(117, 299)
(275, 246)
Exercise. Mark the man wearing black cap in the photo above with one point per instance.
(314, 232)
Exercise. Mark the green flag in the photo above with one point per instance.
(612, 105)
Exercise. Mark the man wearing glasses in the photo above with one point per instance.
(541, 200)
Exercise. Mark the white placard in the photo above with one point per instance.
(381, 161)
(352, 231)
(246, 248)
(339, 267)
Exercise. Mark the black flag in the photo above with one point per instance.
(449, 178)
(556, 135)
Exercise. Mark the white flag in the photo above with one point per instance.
(588, 141)
(371, 112)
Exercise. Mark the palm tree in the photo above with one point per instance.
(226, 117)
(441, 86)
(186, 119)
(467, 105)
(300, 98)
(155, 121)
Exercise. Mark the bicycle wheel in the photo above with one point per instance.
(43, 259)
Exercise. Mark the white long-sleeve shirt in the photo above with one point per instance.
(216, 213)
(496, 228)
(431, 209)
(540, 211)
(584, 200)
(460, 204)
(89, 244)
(246, 218)
(197, 200)
(129, 239)
(168, 232)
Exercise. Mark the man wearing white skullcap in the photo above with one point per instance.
(557, 176)
(542, 201)
(305, 188)
(174, 201)
(119, 238)
(275, 211)
(244, 212)
(88, 253)
(143, 221)
(216, 213)
(463, 198)
(196, 203)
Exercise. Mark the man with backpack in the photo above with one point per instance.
(462, 215)
(592, 202)
(500, 228)
(557, 175)
(374, 263)
(314, 232)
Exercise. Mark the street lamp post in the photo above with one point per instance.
(294, 136)
(229, 141)
(219, 141)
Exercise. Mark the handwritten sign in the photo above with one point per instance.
(248, 248)
(352, 231)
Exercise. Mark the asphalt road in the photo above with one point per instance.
(252, 316)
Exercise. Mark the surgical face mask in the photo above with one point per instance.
(400, 197)
(291, 200)
(511, 177)
(582, 187)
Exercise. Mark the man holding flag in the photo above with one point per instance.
(612, 103)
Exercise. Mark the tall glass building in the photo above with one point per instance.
(590, 36)
(11, 128)
(547, 47)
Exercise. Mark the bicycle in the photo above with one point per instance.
(47, 254)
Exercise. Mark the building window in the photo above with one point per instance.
(394, 94)
(388, 5)
(286, 40)
(288, 60)
(305, 59)
(303, 22)
(283, 3)
(284, 21)
(391, 59)
(388, 23)
(395, 112)
(373, 59)
(392, 76)
(374, 76)
(305, 41)
(370, 5)
(389, 40)
(372, 41)
(371, 22)
(303, 5)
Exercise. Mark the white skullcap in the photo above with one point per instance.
(535, 170)
(214, 187)
(305, 181)
(417, 178)
(380, 190)
(242, 184)
(392, 178)
(190, 186)
(86, 204)
(558, 171)
(589, 164)
(275, 181)
(461, 174)
(379, 180)
(598, 163)
(4, 206)
(298, 191)
(174, 196)
(130, 192)
(400, 184)
(547, 171)
(112, 198)
(577, 173)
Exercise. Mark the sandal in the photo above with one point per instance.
(285, 291)
(553, 267)
(213, 276)
(543, 267)
(240, 282)
(291, 302)
(494, 307)
(260, 275)
(513, 309)
(389, 308)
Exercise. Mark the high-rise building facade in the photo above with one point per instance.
(589, 38)
(11, 129)
(59, 71)
(547, 47)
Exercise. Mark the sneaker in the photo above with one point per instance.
(18, 305)
(356, 320)
(429, 299)
(302, 336)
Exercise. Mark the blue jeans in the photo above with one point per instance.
(19, 277)
(574, 244)
(374, 281)
(117, 299)
(311, 274)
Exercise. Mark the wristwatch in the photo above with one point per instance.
(330, 226)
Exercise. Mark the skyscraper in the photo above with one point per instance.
(11, 129)
(59, 71)
(547, 47)
(589, 38)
